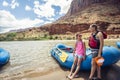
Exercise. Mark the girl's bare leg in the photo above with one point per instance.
(77, 69)
(73, 66)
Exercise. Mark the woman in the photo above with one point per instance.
(96, 51)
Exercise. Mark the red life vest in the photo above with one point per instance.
(104, 35)
(94, 42)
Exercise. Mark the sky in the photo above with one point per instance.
(20, 14)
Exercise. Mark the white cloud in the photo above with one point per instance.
(9, 22)
(63, 4)
(5, 3)
(14, 4)
(46, 10)
(47, 22)
(51, 19)
(42, 10)
(27, 8)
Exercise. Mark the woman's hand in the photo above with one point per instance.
(99, 55)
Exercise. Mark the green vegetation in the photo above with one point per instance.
(8, 37)
(2, 38)
(50, 37)
(22, 36)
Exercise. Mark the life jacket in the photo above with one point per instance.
(104, 35)
(94, 42)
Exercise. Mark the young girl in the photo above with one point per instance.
(79, 55)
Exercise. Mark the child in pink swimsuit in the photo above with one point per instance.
(79, 55)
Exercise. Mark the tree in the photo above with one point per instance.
(10, 36)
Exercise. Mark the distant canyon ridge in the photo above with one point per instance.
(82, 13)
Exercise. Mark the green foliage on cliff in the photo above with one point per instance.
(25, 37)
(22, 36)
(8, 37)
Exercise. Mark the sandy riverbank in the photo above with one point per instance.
(108, 73)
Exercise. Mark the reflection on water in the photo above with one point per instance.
(28, 58)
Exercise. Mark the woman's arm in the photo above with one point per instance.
(100, 36)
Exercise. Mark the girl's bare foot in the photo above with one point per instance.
(69, 75)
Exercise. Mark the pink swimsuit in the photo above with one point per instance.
(80, 48)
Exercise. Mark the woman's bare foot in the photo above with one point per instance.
(76, 76)
(70, 77)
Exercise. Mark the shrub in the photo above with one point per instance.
(10, 36)
(50, 37)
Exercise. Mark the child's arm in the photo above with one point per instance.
(74, 48)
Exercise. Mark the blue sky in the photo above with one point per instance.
(19, 14)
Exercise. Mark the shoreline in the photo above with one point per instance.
(53, 40)
(108, 73)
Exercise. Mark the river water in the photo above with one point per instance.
(28, 58)
(32, 58)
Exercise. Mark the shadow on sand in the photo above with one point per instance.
(108, 73)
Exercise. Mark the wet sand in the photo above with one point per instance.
(30, 60)
(108, 73)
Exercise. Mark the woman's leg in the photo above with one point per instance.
(73, 66)
(99, 72)
(93, 69)
(77, 69)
